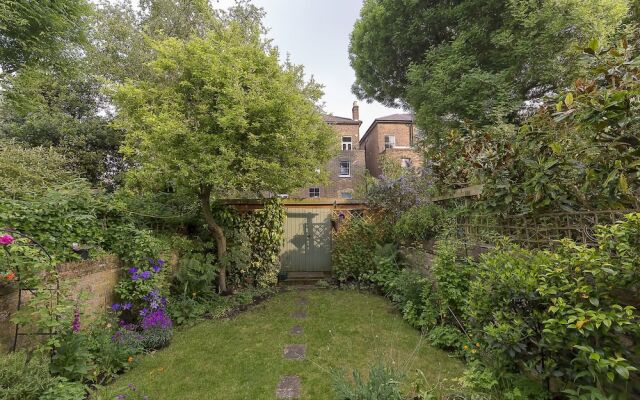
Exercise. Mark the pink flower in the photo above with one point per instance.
(6, 240)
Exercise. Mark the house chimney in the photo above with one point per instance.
(355, 111)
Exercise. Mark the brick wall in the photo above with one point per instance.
(336, 185)
(374, 144)
(96, 278)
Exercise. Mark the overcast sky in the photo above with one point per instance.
(315, 33)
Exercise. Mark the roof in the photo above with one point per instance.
(332, 119)
(391, 119)
(396, 118)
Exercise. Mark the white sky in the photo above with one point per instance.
(315, 33)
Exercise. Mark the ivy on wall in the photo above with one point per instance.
(256, 239)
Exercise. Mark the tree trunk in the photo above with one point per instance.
(218, 234)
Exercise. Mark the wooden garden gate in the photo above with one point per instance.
(307, 230)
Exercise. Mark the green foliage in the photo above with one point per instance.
(196, 275)
(109, 357)
(451, 278)
(23, 377)
(30, 171)
(530, 317)
(383, 383)
(64, 389)
(39, 32)
(469, 59)
(71, 358)
(506, 308)
(354, 247)
(63, 110)
(265, 231)
(578, 151)
(156, 338)
(232, 96)
(420, 223)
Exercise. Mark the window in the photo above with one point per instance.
(314, 192)
(346, 195)
(405, 162)
(389, 142)
(345, 168)
(346, 143)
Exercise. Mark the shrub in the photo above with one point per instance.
(419, 223)
(355, 245)
(110, 352)
(24, 378)
(196, 275)
(451, 278)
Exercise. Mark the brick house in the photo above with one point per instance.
(346, 170)
(392, 137)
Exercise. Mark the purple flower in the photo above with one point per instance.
(145, 275)
(115, 306)
(156, 268)
(75, 325)
(144, 312)
(133, 270)
(121, 397)
(134, 277)
(156, 319)
(127, 306)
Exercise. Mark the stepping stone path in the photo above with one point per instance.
(299, 314)
(289, 385)
(294, 352)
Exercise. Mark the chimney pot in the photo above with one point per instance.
(355, 111)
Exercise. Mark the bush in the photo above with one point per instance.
(24, 378)
(420, 223)
(196, 275)
(355, 246)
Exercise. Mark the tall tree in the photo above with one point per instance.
(218, 115)
(65, 110)
(39, 32)
(470, 59)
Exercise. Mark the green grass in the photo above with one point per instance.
(241, 358)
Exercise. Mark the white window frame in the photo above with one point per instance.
(314, 192)
(348, 164)
(347, 144)
(389, 141)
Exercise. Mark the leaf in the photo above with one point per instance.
(594, 44)
(569, 99)
(622, 371)
(623, 186)
(594, 301)
(581, 323)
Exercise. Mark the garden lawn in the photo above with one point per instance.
(242, 357)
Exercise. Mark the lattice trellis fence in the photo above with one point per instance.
(539, 231)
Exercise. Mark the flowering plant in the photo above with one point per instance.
(137, 284)
(143, 309)
(23, 261)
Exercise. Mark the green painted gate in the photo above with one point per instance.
(307, 240)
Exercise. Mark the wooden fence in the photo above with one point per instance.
(537, 231)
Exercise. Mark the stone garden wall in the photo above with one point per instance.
(96, 278)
